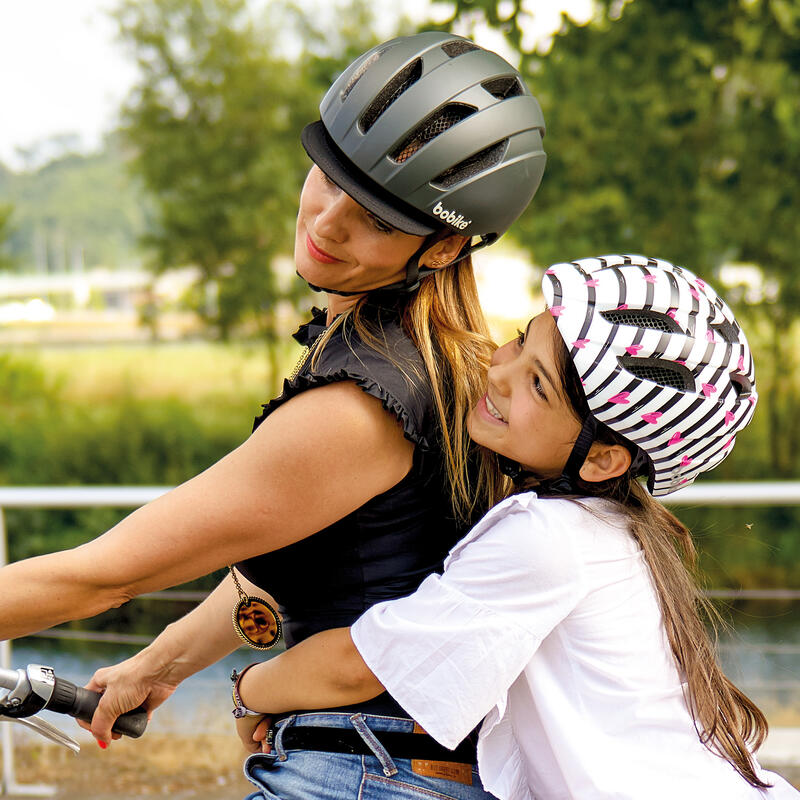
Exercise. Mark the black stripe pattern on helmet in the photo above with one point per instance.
(662, 360)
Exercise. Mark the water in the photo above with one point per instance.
(200, 705)
(761, 655)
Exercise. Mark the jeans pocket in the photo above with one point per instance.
(257, 769)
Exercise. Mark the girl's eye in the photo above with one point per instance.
(538, 388)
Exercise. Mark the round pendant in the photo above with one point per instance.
(257, 623)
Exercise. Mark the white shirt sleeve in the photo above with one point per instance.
(449, 652)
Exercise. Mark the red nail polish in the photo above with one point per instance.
(101, 745)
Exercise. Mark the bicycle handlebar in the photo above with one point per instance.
(37, 688)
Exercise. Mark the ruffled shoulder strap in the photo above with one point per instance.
(389, 368)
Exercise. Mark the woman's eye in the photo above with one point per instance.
(380, 225)
(520, 337)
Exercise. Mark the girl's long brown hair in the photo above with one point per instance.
(727, 721)
(445, 321)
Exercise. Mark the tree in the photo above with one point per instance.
(6, 261)
(76, 209)
(674, 130)
(215, 127)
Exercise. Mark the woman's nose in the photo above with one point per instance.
(332, 221)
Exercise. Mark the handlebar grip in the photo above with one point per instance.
(78, 702)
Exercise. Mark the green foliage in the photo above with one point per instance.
(674, 130)
(130, 439)
(75, 208)
(215, 125)
(6, 261)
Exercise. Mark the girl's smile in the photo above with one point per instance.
(524, 414)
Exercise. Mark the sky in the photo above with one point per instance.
(63, 72)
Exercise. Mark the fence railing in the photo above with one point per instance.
(717, 494)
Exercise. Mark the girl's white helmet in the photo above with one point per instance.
(661, 358)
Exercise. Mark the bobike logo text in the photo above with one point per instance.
(451, 217)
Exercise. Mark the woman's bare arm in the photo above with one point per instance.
(310, 463)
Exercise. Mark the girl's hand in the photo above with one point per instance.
(253, 733)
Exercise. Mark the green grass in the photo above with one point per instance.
(224, 374)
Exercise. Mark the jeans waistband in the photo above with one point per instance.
(335, 719)
(383, 737)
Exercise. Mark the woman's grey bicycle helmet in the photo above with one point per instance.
(431, 131)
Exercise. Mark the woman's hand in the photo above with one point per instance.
(126, 686)
(253, 733)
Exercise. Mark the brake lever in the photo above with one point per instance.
(44, 728)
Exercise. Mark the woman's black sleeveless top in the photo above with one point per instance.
(384, 549)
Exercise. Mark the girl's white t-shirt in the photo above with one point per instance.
(546, 626)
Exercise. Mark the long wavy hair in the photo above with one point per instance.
(726, 720)
(444, 320)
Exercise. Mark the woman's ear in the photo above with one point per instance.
(443, 252)
(605, 461)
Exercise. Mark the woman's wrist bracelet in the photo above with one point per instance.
(239, 708)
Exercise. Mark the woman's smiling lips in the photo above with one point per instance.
(489, 411)
(319, 255)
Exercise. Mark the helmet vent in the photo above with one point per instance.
(502, 88)
(473, 165)
(359, 73)
(727, 330)
(458, 48)
(642, 318)
(431, 127)
(396, 86)
(741, 383)
(660, 371)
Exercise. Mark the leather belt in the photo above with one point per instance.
(397, 744)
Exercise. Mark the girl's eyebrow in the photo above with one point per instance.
(528, 326)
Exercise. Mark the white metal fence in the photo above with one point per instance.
(716, 494)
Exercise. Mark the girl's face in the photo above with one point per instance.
(524, 414)
(340, 245)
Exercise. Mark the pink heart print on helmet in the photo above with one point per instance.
(662, 360)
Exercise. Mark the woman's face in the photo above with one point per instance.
(524, 414)
(340, 245)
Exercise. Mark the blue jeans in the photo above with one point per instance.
(313, 775)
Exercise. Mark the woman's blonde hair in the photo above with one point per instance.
(727, 721)
(444, 320)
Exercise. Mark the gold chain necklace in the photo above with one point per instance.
(304, 354)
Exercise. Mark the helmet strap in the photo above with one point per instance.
(414, 272)
(566, 483)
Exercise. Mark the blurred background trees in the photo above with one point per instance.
(6, 211)
(673, 130)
